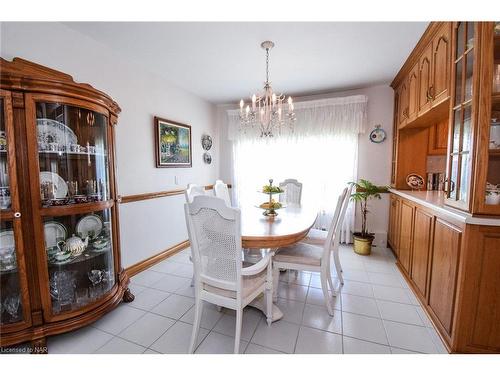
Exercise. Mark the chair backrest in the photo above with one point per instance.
(332, 236)
(192, 191)
(347, 199)
(215, 234)
(222, 191)
(293, 191)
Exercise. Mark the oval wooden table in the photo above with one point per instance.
(261, 234)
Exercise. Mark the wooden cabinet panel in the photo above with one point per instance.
(402, 105)
(425, 80)
(488, 301)
(393, 235)
(413, 93)
(422, 238)
(441, 65)
(405, 237)
(445, 256)
(480, 286)
(438, 138)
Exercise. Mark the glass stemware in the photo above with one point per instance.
(12, 305)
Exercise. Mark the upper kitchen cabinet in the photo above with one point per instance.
(424, 80)
(441, 65)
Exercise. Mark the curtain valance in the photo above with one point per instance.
(332, 116)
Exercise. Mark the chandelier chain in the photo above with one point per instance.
(267, 65)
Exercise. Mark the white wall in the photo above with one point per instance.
(150, 226)
(374, 160)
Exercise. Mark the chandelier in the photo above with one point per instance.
(267, 111)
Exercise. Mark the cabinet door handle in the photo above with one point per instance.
(431, 92)
(17, 215)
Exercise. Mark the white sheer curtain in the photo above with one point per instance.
(320, 152)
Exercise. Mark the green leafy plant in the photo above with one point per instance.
(365, 190)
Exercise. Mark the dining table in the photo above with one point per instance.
(264, 234)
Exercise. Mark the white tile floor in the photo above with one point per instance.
(375, 313)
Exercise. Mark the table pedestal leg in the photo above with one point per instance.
(260, 304)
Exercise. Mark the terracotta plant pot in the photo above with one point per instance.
(362, 245)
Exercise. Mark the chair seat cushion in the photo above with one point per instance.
(249, 285)
(300, 253)
(316, 237)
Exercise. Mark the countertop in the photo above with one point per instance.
(435, 200)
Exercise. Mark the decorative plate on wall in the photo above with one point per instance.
(378, 135)
(206, 142)
(207, 158)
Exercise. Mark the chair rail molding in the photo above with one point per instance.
(157, 194)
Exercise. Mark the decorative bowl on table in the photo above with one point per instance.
(272, 205)
(270, 208)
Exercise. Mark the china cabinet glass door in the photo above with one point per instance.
(492, 188)
(14, 297)
(462, 119)
(75, 203)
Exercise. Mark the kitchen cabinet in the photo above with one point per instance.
(393, 234)
(413, 93)
(402, 104)
(406, 235)
(438, 138)
(444, 268)
(425, 81)
(421, 246)
(441, 65)
(452, 267)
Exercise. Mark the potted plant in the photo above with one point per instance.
(364, 191)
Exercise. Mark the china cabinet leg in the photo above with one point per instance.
(128, 296)
(39, 346)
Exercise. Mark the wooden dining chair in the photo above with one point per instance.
(305, 257)
(192, 191)
(222, 191)
(215, 233)
(293, 191)
(318, 237)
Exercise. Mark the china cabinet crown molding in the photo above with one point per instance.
(28, 91)
(24, 75)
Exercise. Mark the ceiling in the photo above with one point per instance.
(223, 62)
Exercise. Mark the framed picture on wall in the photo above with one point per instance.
(173, 144)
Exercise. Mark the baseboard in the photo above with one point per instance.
(157, 258)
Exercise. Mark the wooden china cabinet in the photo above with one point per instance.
(60, 265)
(447, 240)
(474, 133)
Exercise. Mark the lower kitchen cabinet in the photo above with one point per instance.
(405, 239)
(393, 233)
(453, 268)
(422, 242)
(444, 268)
